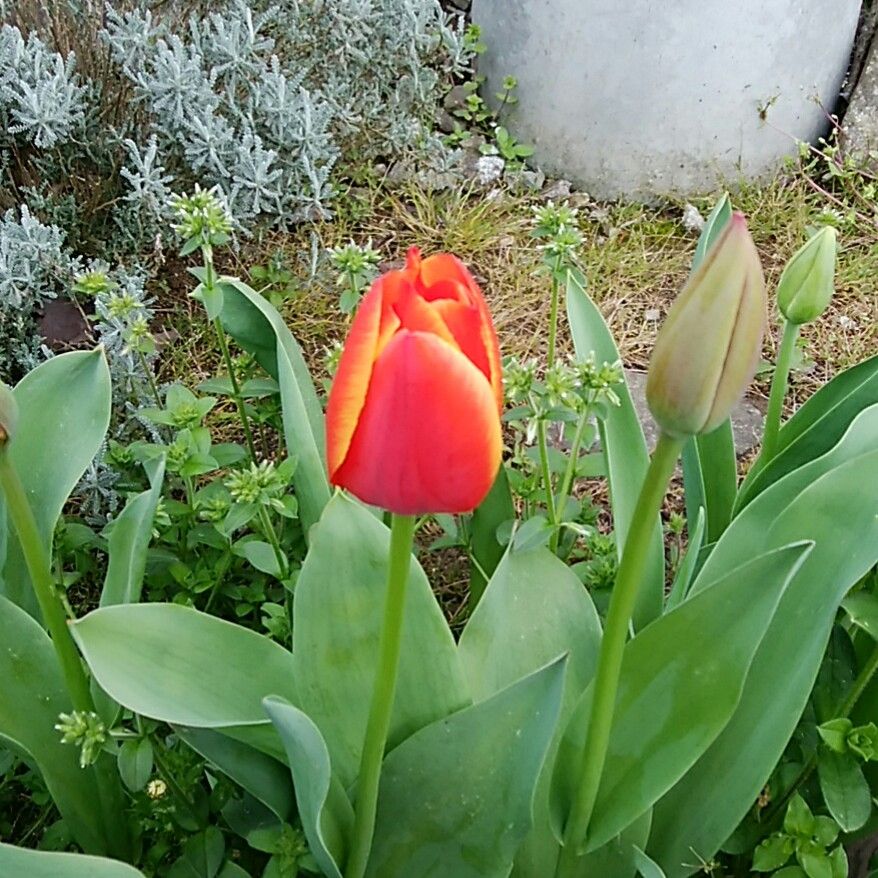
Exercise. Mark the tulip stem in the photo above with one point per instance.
(779, 389)
(606, 684)
(401, 537)
(39, 568)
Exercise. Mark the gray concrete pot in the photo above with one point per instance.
(640, 98)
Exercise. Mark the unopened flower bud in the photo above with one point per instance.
(806, 284)
(706, 352)
(8, 415)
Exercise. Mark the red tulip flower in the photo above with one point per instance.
(413, 420)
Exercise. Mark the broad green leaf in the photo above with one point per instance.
(713, 226)
(622, 443)
(534, 610)
(686, 570)
(667, 714)
(32, 695)
(710, 478)
(176, 664)
(646, 866)
(136, 763)
(816, 427)
(338, 613)
(259, 329)
(324, 809)
(845, 789)
(264, 778)
(822, 501)
(862, 607)
(456, 798)
(128, 542)
(64, 412)
(202, 856)
(20, 862)
(261, 555)
(485, 548)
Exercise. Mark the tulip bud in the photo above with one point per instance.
(8, 415)
(806, 284)
(706, 352)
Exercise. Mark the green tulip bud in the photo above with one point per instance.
(806, 284)
(707, 351)
(8, 415)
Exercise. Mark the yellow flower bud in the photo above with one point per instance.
(806, 284)
(707, 350)
(8, 415)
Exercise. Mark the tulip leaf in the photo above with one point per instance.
(175, 664)
(128, 542)
(485, 549)
(666, 715)
(339, 608)
(816, 427)
(266, 779)
(256, 325)
(823, 502)
(456, 797)
(713, 226)
(710, 478)
(44, 864)
(646, 866)
(622, 443)
(32, 695)
(862, 607)
(534, 610)
(686, 570)
(326, 813)
(64, 412)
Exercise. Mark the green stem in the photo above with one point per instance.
(546, 470)
(209, 286)
(553, 320)
(779, 389)
(567, 478)
(843, 710)
(401, 537)
(622, 601)
(271, 535)
(40, 570)
(147, 371)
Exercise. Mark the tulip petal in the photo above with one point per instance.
(428, 437)
(348, 393)
(441, 277)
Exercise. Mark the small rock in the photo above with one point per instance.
(557, 191)
(652, 315)
(693, 221)
(446, 122)
(848, 324)
(455, 99)
(489, 169)
(523, 178)
(506, 242)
